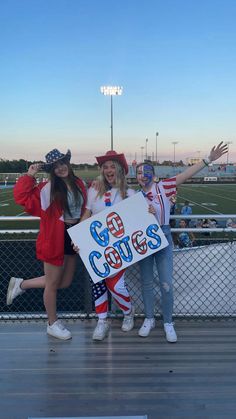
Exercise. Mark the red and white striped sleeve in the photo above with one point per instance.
(169, 186)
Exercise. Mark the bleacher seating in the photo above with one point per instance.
(208, 171)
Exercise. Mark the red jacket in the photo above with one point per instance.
(36, 201)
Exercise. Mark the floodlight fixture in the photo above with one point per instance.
(111, 91)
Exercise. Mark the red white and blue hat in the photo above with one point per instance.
(54, 156)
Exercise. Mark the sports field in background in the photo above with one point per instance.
(209, 199)
(204, 199)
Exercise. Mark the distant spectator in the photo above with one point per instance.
(213, 223)
(230, 223)
(197, 223)
(174, 233)
(206, 224)
(185, 238)
(186, 210)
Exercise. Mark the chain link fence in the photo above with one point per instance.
(204, 279)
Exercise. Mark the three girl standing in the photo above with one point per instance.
(61, 202)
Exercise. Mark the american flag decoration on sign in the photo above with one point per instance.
(140, 246)
(113, 258)
(115, 224)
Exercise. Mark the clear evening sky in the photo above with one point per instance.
(176, 61)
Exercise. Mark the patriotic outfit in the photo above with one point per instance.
(159, 197)
(35, 198)
(116, 283)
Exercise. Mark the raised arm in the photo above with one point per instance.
(215, 153)
(27, 193)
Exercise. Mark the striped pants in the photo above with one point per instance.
(116, 285)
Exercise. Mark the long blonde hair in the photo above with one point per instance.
(121, 183)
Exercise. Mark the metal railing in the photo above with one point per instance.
(204, 276)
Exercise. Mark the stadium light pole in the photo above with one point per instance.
(146, 148)
(142, 148)
(174, 144)
(157, 133)
(111, 91)
(228, 144)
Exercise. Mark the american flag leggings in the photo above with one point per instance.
(116, 286)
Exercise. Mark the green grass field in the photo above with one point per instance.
(209, 199)
(204, 199)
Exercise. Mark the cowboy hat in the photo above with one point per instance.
(54, 156)
(114, 156)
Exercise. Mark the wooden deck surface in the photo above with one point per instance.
(123, 375)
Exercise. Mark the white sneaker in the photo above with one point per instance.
(146, 327)
(170, 332)
(58, 330)
(101, 330)
(14, 289)
(128, 321)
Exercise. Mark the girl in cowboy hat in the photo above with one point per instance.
(59, 203)
(110, 189)
(157, 195)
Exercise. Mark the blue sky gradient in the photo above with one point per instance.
(176, 61)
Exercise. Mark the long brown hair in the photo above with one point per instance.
(121, 183)
(58, 192)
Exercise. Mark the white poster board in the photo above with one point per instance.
(117, 237)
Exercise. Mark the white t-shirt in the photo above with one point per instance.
(97, 204)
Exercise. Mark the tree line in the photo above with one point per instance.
(21, 166)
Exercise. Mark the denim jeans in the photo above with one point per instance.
(164, 263)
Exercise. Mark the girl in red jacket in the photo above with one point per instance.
(59, 203)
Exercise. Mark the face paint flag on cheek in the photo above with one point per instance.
(146, 174)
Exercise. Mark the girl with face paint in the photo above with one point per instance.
(145, 175)
(158, 196)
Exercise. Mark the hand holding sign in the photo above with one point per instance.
(117, 237)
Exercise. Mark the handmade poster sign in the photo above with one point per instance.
(117, 237)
